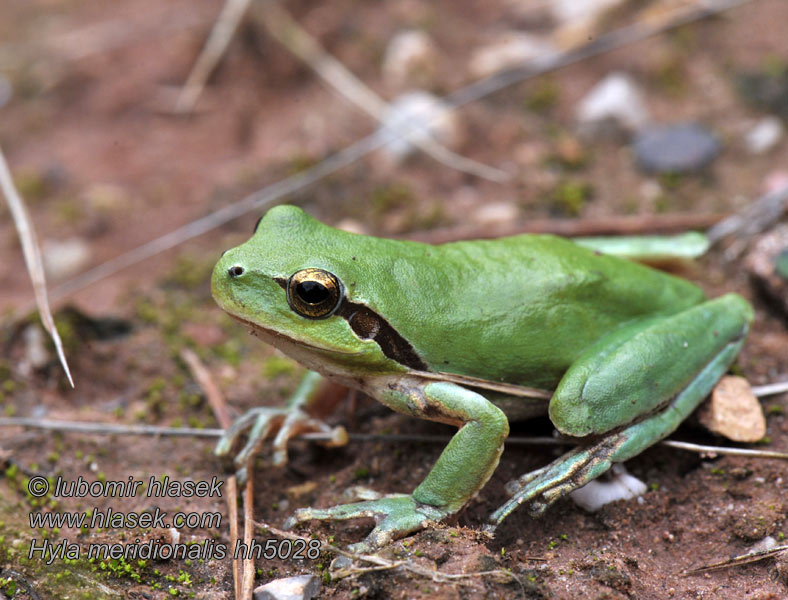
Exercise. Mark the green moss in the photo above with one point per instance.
(388, 197)
(32, 185)
(544, 95)
(191, 272)
(360, 473)
(276, 365)
(570, 197)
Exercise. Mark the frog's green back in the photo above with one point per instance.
(517, 309)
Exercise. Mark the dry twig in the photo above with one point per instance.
(219, 407)
(741, 559)
(115, 429)
(248, 561)
(30, 249)
(612, 225)
(215, 46)
(203, 378)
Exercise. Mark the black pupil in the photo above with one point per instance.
(312, 292)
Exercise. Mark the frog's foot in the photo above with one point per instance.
(544, 486)
(395, 516)
(263, 422)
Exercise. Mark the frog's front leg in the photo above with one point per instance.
(462, 469)
(286, 422)
(635, 386)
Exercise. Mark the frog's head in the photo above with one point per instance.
(296, 283)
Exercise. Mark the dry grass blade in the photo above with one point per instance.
(232, 508)
(219, 407)
(116, 429)
(742, 559)
(248, 571)
(209, 387)
(770, 389)
(30, 249)
(724, 450)
(220, 36)
(610, 225)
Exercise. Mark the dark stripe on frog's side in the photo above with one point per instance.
(368, 325)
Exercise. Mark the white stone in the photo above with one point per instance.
(620, 486)
(615, 103)
(302, 587)
(763, 545)
(509, 49)
(352, 226)
(572, 11)
(36, 353)
(494, 213)
(765, 135)
(410, 58)
(415, 116)
(64, 258)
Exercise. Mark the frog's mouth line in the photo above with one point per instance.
(256, 328)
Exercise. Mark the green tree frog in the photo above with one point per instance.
(472, 334)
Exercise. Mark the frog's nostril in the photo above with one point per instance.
(236, 271)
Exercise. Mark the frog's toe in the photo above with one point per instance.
(263, 425)
(395, 517)
(234, 431)
(298, 422)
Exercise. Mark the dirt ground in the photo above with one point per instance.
(98, 154)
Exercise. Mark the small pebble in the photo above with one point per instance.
(64, 258)
(36, 354)
(764, 545)
(619, 486)
(682, 148)
(352, 226)
(614, 106)
(418, 115)
(410, 59)
(302, 587)
(493, 213)
(765, 135)
(510, 49)
(733, 411)
(571, 11)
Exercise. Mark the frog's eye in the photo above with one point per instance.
(314, 293)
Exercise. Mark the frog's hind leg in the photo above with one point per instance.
(723, 340)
